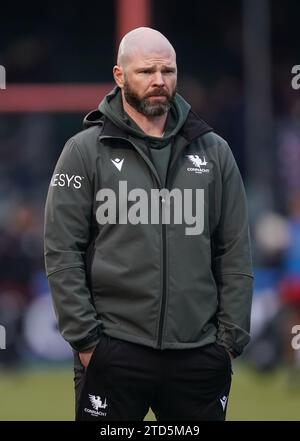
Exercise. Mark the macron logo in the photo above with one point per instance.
(118, 163)
(223, 401)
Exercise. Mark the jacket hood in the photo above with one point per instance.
(180, 119)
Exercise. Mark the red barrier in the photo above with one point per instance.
(52, 97)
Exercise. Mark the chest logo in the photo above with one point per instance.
(198, 164)
(118, 163)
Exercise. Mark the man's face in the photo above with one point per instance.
(150, 83)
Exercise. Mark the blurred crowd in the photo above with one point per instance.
(31, 144)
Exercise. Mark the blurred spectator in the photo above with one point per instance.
(290, 288)
(270, 239)
(288, 158)
(20, 255)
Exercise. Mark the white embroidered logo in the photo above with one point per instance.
(223, 401)
(198, 163)
(97, 402)
(118, 163)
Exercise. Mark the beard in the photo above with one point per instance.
(145, 105)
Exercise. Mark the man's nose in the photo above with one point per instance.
(158, 79)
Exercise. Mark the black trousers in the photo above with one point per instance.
(123, 380)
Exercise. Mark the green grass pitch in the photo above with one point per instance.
(48, 395)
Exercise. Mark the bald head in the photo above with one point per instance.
(144, 41)
(146, 72)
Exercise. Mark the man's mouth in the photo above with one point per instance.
(158, 96)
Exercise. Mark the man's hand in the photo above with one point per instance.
(85, 356)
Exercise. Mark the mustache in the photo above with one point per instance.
(158, 92)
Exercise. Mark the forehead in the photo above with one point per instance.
(140, 57)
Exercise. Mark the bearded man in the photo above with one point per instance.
(155, 312)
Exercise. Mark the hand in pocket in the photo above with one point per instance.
(85, 356)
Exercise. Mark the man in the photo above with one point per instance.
(154, 305)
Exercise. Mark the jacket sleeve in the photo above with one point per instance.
(68, 215)
(231, 260)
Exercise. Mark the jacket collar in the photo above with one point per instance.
(193, 128)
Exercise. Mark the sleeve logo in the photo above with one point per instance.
(65, 180)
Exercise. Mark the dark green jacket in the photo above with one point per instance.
(148, 283)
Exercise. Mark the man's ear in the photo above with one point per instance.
(119, 75)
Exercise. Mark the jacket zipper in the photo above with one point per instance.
(164, 241)
(164, 281)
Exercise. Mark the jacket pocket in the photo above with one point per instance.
(99, 356)
(222, 349)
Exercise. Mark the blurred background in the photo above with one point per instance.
(235, 61)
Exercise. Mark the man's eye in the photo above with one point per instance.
(167, 71)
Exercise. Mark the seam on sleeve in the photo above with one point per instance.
(235, 274)
(82, 160)
(65, 268)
